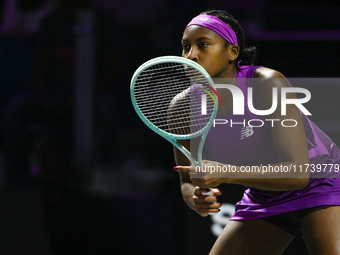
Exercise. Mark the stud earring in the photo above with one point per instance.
(232, 58)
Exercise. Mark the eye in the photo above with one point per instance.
(203, 44)
(185, 47)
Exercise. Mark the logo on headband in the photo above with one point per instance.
(204, 19)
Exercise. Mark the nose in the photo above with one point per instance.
(192, 54)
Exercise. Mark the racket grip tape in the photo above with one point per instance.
(209, 193)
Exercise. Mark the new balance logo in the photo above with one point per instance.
(246, 132)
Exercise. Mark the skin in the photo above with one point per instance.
(209, 49)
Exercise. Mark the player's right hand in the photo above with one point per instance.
(206, 204)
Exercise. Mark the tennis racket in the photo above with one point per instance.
(176, 98)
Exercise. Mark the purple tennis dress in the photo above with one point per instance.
(243, 145)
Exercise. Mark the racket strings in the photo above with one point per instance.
(173, 97)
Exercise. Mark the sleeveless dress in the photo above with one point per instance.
(243, 145)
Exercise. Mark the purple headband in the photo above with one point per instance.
(216, 25)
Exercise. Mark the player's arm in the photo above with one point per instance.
(290, 142)
(194, 196)
(187, 187)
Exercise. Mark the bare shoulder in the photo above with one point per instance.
(267, 78)
(179, 104)
(179, 100)
(264, 72)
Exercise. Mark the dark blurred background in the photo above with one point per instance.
(79, 172)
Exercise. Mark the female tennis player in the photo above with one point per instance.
(274, 208)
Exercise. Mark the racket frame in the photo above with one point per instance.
(172, 138)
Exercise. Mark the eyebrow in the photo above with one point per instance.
(198, 39)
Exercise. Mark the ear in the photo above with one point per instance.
(234, 51)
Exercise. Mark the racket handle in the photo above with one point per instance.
(209, 193)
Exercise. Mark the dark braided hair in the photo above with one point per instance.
(247, 55)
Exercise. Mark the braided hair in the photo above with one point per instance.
(247, 55)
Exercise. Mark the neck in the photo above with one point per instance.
(229, 72)
(227, 77)
(225, 94)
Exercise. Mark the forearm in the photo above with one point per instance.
(276, 177)
(187, 187)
